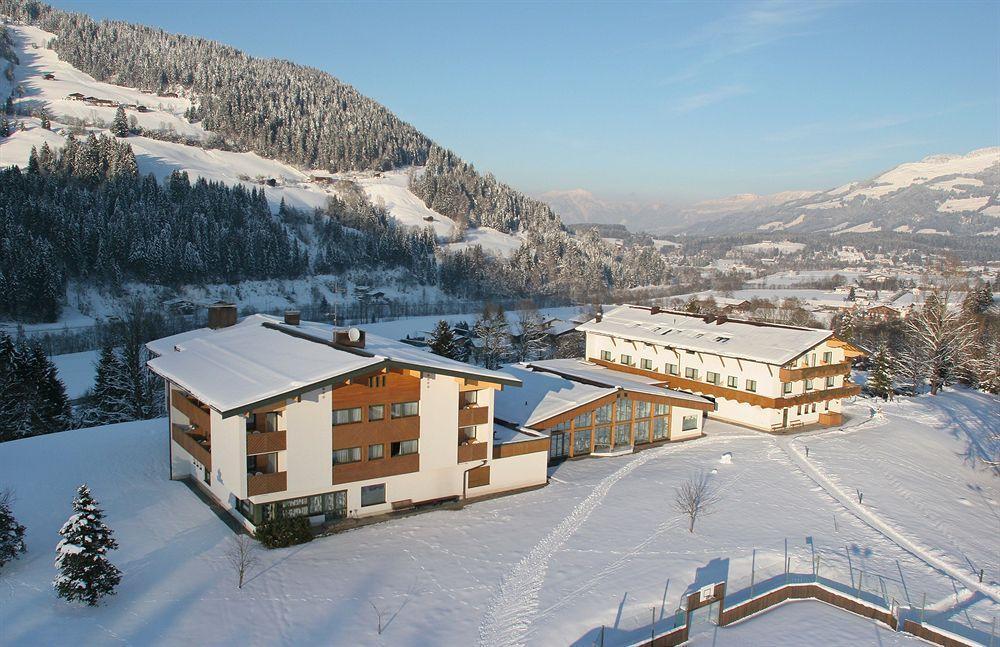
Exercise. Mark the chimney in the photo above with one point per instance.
(597, 317)
(221, 315)
(351, 338)
(292, 317)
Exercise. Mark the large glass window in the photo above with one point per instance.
(624, 411)
(602, 438)
(689, 423)
(561, 426)
(346, 416)
(558, 445)
(642, 408)
(660, 431)
(404, 447)
(603, 414)
(335, 504)
(405, 409)
(373, 494)
(583, 420)
(641, 431)
(376, 412)
(581, 442)
(623, 436)
(349, 455)
(660, 409)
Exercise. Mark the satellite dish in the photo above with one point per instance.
(354, 334)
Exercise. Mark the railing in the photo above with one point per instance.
(266, 483)
(195, 444)
(197, 414)
(265, 442)
(364, 470)
(471, 452)
(473, 416)
(812, 372)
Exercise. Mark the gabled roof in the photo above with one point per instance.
(761, 342)
(261, 360)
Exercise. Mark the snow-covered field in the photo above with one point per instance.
(76, 370)
(601, 545)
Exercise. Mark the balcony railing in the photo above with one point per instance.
(266, 483)
(471, 452)
(812, 372)
(473, 415)
(364, 470)
(193, 443)
(265, 442)
(196, 413)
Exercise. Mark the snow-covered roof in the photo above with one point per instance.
(261, 359)
(769, 343)
(553, 387)
(504, 435)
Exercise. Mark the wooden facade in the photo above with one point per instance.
(374, 469)
(508, 450)
(479, 476)
(266, 483)
(196, 445)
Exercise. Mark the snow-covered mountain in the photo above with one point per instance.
(942, 194)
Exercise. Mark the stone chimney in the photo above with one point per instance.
(292, 317)
(221, 315)
(351, 338)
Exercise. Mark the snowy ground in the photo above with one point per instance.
(76, 370)
(599, 545)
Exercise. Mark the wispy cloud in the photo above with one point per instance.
(701, 100)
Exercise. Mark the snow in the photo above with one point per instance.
(599, 546)
(931, 230)
(491, 240)
(953, 205)
(782, 247)
(956, 184)
(541, 396)
(77, 371)
(927, 170)
(864, 228)
(576, 369)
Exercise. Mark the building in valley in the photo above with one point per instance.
(280, 417)
(766, 376)
(587, 410)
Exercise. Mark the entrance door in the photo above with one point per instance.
(784, 417)
(559, 446)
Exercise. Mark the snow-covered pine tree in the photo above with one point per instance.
(882, 371)
(942, 336)
(533, 339)
(46, 122)
(85, 574)
(493, 331)
(33, 161)
(119, 127)
(108, 401)
(11, 532)
(442, 341)
(5, 128)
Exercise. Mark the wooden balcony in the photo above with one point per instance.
(196, 413)
(382, 467)
(265, 442)
(193, 443)
(820, 395)
(266, 483)
(390, 430)
(471, 452)
(473, 415)
(813, 372)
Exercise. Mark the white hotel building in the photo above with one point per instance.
(766, 376)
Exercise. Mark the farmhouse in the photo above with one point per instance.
(766, 376)
(587, 410)
(280, 417)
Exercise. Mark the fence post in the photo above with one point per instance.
(652, 628)
(923, 603)
(753, 569)
(602, 635)
(861, 575)
(786, 560)
(850, 566)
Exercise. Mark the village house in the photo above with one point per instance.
(277, 417)
(765, 376)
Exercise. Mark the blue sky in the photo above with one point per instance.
(675, 100)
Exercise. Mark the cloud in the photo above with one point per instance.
(701, 100)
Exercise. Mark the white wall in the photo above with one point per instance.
(309, 442)
(677, 415)
(515, 472)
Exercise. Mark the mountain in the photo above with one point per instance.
(940, 194)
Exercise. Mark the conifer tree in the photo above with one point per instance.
(85, 574)
(33, 161)
(442, 341)
(882, 371)
(493, 331)
(11, 532)
(108, 400)
(119, 127)
(4, 127)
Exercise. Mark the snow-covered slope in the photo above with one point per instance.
(98, 103)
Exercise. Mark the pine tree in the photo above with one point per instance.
(85, 574)
(108, 401)
(533, 339)
(493, 332)
(4, 127)
(33, 161)
(119, 127)
(46, 123)
(11, 532)
(442, 341)
(882, 371)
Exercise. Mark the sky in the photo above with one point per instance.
(675, 101)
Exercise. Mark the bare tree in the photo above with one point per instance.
(695, 497)
(242, 556)
(943, 336)
(379, 614)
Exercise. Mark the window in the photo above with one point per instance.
(626, 360)
(581, 442)
(659, 428)
(786, 387)
(733, 382)
(814, 407)
(405, 409)
(827, 357)
(831, 382)
(558, 445)
(561, 426)
(583, 420)
(376, 412)
(673, 369)
(641, 432)
(468, 434)
(642, 409)
(660, 409)
(376, 452)
(403, 448)
(647, 364)
(711, 377)
(809, 385)
(606, 355)
(349, 455)
(372, 494)
(689, 423)
(623, 435)
(468, 399)
(798, 410)
(346, 416)
(602, 438)
(376, 381)
(262, 463)
(603, 413)
(624, 411)
(751, 385)
(691, 373)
